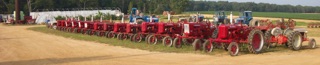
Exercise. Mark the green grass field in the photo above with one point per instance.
(269, 14)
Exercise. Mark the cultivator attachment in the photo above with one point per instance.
(314, 25)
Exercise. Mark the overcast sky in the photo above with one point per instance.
(281, 2)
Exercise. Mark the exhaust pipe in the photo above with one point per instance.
(231, 18)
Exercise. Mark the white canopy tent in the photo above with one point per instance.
(42, 17)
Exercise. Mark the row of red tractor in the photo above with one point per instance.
(202, 35)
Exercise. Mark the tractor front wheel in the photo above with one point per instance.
(137, 37)
(312, 43)
(197, 44)
(233, 49)
(177, 43)
(207, 46)
(167, 41)
(153, 40)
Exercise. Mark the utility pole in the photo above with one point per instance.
(17, 10)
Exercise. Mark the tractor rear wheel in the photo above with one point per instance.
(167, 41)
(294, 40)
(233, 49)
(312, 43)
(153, 40)
(197, 44)
(254, 23)
(177, 43)
(256, 41)
(207, 46)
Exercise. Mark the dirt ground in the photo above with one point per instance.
(19, 46)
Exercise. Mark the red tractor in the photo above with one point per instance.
(131, 31)
(108, 27)
(60, 24)
(194, 33)
(88, 26)
(167, 32)
(229, 36)
(68, 25)
(119, 28)
(147, 29)
(74, 25)
(285, 33)
(80, 25)
(98, 28)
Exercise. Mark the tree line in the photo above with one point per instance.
(146, 6)
(243, 6)
(153, 6)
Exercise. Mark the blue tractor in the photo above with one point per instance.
(136, 17)
(220, 18)
(246, 18)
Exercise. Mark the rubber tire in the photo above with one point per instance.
(268, 36)
(106, 34)
(132, 37)
(75, 30)
(146, 38)
(205, 48)
(165, 43)
(119, 36)
(176, 43)
(312, 43)
(250, 40)
(197, 44)
(292, 41)
(140, 37)
(230, 49)
(155, 40)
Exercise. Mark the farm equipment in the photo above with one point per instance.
(194, 33)
(147, 29)
(137, 17)
(88, 26)
(285, 33)
(60, 24)
(119, 29)
(246, 18)
(220, 18)
(131, 31)
(98, 28)
(313, 25)
(166, 32)
(229, 36)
